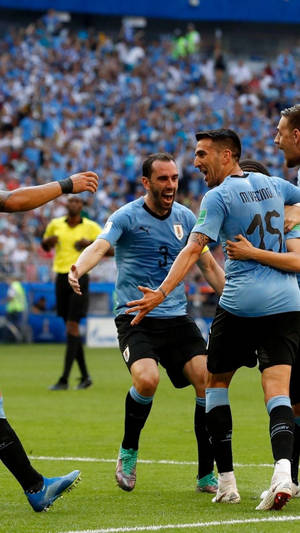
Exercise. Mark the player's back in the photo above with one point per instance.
(254, 207)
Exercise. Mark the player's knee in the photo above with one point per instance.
(275, 382)
(72, 328)
(146, 383)
(296, 409)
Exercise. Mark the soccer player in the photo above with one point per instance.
(41, 492)
(288, 135)
(148, 233)
(288, 140)
(70, 235)
(242, 249)
(258, 303)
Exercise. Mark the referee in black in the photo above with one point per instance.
(69, 235)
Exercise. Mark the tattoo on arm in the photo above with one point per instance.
(3, 197)
(199, 238)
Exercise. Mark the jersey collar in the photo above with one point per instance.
(245, 175)
(160, 217)
(80, 222)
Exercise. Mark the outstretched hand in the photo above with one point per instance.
(152, 298)
(239, 249)
(73, 280)
(84, 181)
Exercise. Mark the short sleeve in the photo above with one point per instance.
(114, 227)
(50, 229)
(211, 215)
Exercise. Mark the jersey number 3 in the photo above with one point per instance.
(163, 250)
(257, 222)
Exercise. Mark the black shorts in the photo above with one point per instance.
(69, 305)
(242, 341)
(170, 341)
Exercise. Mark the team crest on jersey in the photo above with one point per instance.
(178, 229)
(126, 354)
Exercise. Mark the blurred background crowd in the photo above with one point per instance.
(79, 98)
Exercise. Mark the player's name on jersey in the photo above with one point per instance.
(256, 196)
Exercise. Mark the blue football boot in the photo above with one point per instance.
(53, 488)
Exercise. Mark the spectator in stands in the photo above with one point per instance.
(55, 94)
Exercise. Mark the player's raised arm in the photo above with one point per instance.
(30, 197)
(87, 260)
(182, 264)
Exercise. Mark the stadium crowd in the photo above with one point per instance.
(82, 99)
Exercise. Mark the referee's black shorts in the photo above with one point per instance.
(69, 305)
(172, 342)
(236, 341)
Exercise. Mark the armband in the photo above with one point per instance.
(66, 185)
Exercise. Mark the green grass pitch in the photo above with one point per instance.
(57, 426)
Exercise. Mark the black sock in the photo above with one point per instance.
(13, 455)
(73, 343)
(282, 432)
(136, 415)
(219, 425)
(205, 450)
(296, 453)
(81, 360)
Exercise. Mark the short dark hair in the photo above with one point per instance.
(292, 114)
(159, 156)
(228, 138)
(250, 165)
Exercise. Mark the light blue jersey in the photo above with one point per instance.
(252, 205)
(146, 246)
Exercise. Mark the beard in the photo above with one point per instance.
(293, 162)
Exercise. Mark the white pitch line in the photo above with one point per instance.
(186, 526)
(144, 461)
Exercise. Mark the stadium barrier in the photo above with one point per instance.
(98, 330)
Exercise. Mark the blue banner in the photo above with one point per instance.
(226, 10)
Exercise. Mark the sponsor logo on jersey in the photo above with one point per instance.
(107, 227)
(144, 228)
(126, 354)
(178, 229)
(201, 217)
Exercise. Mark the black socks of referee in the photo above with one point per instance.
(13, 455)
(137, 409)
(74, 351)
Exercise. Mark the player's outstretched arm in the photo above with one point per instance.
(87, 260)
(212, 272)
(243, 250)
(30, 197)
(182, 264)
